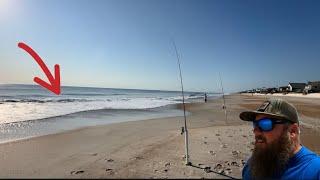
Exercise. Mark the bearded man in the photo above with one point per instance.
(278, 153)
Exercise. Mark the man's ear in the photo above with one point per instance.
(294, 130)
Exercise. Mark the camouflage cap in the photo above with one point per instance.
(273, 108)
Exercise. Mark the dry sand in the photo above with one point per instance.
(310, 95)
(152, 148)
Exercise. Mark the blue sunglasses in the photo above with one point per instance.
(267, 124)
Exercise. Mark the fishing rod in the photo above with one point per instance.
(185, 129)
(224, 101)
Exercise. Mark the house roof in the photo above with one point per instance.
(313, 82)
(297, 84)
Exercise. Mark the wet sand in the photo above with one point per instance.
(152, 148)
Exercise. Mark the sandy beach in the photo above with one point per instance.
(153, 148)
(310, 95)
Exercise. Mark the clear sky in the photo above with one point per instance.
(127, 43)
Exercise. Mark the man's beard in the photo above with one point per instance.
(271, 160)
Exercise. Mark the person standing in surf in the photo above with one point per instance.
(278, 153)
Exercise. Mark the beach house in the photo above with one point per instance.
(283, 89)
(296, 87)
(312, 86)
(272, 90)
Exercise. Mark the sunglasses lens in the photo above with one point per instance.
(263, 124)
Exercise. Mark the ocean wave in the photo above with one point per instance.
(196, 94)
(179, 98)
(10, 100)
(85, 113)
(84, 94)
(20, 97)
(94, 94)
(19, 106)
(44, 101)
(17, 110)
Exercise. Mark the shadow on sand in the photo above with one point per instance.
(208, 170)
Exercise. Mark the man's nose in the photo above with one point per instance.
(257, 130)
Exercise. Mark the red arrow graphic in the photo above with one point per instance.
(54, 85)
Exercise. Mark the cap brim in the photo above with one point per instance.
(251, 115)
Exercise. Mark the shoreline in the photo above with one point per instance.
(57, 124)
(163, 109)
(82, 128)
(148, 148)
(53, 125)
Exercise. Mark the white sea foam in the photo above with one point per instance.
(15, 112)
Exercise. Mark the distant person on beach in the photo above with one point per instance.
(278, 153)
(205, 97)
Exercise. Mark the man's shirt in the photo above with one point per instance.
(303, 165)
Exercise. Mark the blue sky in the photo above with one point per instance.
(127, 43)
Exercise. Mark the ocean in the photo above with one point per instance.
(29, 110)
